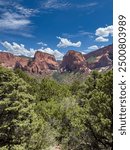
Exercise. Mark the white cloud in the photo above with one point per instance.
(83, 52)
(87, 5)
(90, 49)
(15, 18)
(102, 46)
(10, 6)
(93, 47)
(66, 43)
(101, 39)
(27, 12)
(105, 32)
(19, 49)
(55, 4)
(13, 21)
(3, 2)
(60, 4)
(58, 55)
(41, 43)
(79, 34)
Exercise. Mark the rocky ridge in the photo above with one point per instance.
(73, 61)
(102, 57)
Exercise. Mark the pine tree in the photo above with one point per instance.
(16, 110)
(98, 111)
(93, 123)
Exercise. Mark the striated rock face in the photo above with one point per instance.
(21, 62)
(9, 60)
(103, 61)
(74, 62)
(99, 52)
(42, 63)
(100, 58)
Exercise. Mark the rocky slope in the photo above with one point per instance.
(73, 61)
(100, 58)
(100, 51)
(9, 60)
(40, 64)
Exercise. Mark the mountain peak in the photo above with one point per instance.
(74, 61)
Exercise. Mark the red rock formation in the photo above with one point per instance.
(100, 58)
(104, 61)
(42, 63)
(9, 60)
(21, 62)
(99, 52)
(73, 62)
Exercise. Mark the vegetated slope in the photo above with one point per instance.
(41, 115)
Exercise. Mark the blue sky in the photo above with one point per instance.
(55, 26)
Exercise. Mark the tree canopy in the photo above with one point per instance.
(41, 113)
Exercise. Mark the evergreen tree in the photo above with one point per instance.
(16, 111)
(78, 116)
(32, 81)
(91, 127)
(97, 111)
(49, 89)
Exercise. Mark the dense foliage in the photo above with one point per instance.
(40, 114)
